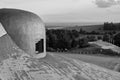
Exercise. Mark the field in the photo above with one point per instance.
(76, 26)
(103, 61)
(88, 28)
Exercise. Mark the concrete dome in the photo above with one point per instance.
(26, 29)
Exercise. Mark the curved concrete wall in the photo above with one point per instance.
(25, 29)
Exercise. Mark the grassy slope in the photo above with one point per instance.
(107, 62)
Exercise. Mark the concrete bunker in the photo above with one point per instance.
(26, 29)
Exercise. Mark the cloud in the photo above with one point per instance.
(106, 3)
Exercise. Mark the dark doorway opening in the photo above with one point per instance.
(40, 46)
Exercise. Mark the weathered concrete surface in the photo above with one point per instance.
(25, 29)
(17, 65)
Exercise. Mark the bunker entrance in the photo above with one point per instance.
(39, 46)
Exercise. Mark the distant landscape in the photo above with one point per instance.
(92, 39)
(75, 32)
(87, 26)
(84, 25)
(72, 23)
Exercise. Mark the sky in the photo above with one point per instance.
(57, 11)
(69, 10)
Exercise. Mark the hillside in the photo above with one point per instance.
(85, 26)
(106, 45)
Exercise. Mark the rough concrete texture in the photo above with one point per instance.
(25, 29)
(17, 65)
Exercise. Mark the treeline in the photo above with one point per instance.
(112, 33)
(63, 40)
(111, 26)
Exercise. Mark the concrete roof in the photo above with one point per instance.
(17, 65)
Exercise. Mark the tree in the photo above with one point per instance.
(106, 37)
(74, 43)
(99, 38)
(83, 42)
(91, 38)
(75, 33)
(117, 39)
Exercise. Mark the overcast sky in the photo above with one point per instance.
(69, 10)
